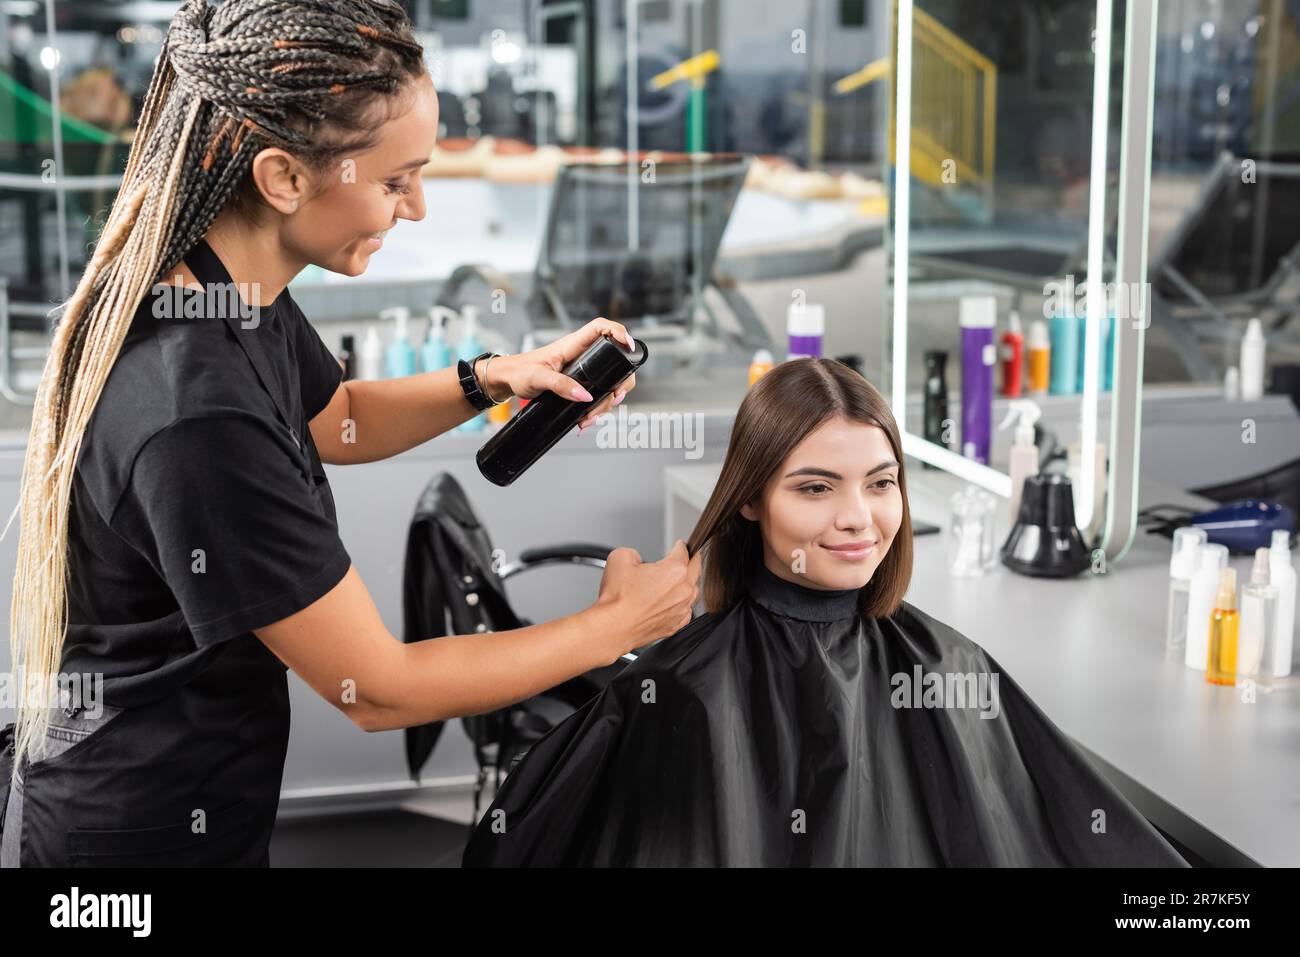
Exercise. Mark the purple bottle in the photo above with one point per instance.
(805, 325)
(978, 355)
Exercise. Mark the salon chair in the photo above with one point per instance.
(454, 584)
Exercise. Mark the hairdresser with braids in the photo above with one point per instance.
(178, 532)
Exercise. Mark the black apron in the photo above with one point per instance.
(192, 779)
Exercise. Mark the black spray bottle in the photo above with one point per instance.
(545, 420)
(935, 405)
(348, 356)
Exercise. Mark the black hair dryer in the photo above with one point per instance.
(544, 420)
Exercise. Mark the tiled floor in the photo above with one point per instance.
(392, 838)
(428, 831)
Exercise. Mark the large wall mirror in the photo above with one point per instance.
(1019, 167)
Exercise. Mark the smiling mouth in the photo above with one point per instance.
(852, 550)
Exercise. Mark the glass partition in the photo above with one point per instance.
(702, 170)
(1225, 191)
(68, 98)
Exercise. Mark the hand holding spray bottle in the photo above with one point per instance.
(535, 428)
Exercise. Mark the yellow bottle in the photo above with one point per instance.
(1039, 350)
(761, 364)
(1221, 668)
(501, 413)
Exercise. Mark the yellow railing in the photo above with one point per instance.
(954, 105)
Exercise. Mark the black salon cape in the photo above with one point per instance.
(765, 736)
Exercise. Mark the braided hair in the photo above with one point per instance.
(307, 76)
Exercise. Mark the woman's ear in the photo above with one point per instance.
(749, 511)
(281, 179)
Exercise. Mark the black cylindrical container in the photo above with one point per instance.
(544, 420)
(934, 409)
(1045, 542)
(348, 356)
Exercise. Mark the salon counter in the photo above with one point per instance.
(1219, 773)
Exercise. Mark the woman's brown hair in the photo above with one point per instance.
(780, 411)
(312, 77)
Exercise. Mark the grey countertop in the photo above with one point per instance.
(1218, 773)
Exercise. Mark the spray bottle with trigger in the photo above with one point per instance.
(1024, 452)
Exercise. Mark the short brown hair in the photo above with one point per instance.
(780, 411)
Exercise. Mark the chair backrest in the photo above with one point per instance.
(637, 240)
(450, 587)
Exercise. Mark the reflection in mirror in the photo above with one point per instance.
(1002, 237)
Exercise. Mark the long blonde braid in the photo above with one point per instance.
(231, 80)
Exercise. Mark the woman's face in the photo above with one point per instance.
(342, 223)
(830, 513)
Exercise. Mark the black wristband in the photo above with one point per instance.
(469, 383)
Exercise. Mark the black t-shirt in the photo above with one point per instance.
(196, 514)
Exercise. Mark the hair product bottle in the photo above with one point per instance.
(805, 326)
(1182, 565)
(1024, 452)
(1040, 358)
(1211, 559)
(1065, 354)
(1252, 361)
(1282, 574)
(934, 408)
(401, 354)
(544, 421)
(370, 364)
(1221, 663)
(467, 349)
(1231, 384)
(978, 356)
(436, 354)
(1258, 621)
(1013, 357)
(348, 356)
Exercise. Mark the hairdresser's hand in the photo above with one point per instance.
(529, 374)
(650, 600)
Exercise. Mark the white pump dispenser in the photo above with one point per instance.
(1024, 453)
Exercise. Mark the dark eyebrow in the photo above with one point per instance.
(827, 473)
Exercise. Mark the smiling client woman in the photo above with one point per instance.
(178, 533)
